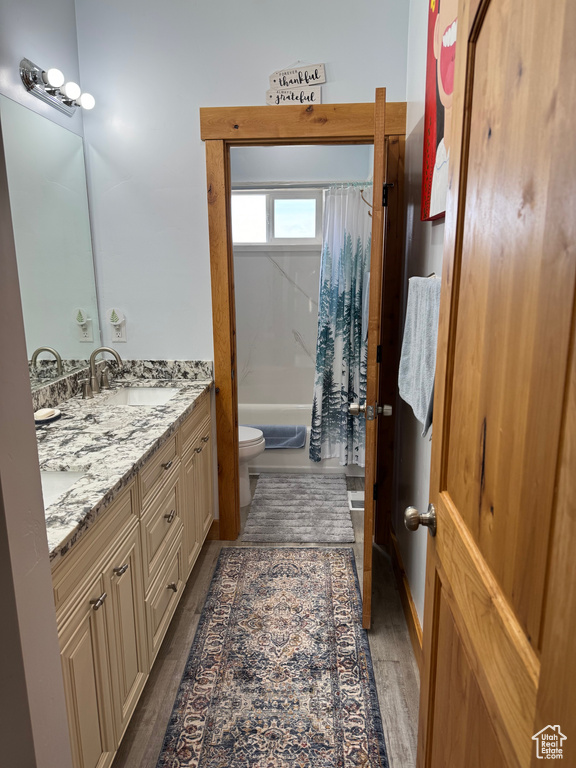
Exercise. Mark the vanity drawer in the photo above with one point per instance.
(163, 598)
(158, 467)
(193, 424)
(160, 524)
(111, 525)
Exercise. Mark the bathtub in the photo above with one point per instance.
(293, 459)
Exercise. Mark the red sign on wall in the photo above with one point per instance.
(441, 56)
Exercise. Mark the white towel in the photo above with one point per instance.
(418, 358)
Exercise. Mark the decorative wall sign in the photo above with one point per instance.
(442, 28)
(296, 77)
(306, 95)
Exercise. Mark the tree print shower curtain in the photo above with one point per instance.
(341, 349)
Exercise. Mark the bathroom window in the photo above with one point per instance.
(287, 218)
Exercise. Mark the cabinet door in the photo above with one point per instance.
(163, 597)
(86, 672)
(189, 513)
(127, 629)
(204, 483)
(160, 525)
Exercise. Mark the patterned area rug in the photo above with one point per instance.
(299, 509)
(279, 674)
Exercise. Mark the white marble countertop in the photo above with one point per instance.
(108, 444)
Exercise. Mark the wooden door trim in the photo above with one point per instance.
(318, 125)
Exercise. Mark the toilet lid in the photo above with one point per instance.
(249, 435)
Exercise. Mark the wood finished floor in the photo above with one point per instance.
(394, 664)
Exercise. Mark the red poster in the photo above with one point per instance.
(441, 55)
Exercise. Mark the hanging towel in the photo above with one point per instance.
(282, 435)
(418, 358)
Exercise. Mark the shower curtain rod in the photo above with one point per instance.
(253, 185)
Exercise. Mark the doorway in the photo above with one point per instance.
(380, 124)
(301, 231)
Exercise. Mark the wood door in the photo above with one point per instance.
(500, 611)
(373, 366)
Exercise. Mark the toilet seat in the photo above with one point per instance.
(249, 436)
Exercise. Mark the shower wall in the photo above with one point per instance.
(276, 324)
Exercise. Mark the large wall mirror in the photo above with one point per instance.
(49, 203)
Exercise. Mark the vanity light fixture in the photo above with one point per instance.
(50, 86)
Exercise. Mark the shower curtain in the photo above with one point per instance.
(341, 350)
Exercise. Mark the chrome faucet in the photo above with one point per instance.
(52, 352)
(95, 384)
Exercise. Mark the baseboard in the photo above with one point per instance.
(214, 531)
(410, 613)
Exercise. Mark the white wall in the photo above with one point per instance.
(424, 242)
(301, 164)
(150, 67)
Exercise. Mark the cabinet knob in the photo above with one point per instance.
(170, 517)
(172, 586)
(121, 569)
(205, 439)
(168, 464)
(99, 602)
(199, 450)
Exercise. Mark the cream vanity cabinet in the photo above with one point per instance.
(117, 589)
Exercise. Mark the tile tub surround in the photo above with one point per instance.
(109, 444)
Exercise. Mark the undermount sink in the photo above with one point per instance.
(147, 396)
(55, 483)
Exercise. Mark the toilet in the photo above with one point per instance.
(252, 444)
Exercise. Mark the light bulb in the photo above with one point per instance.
(53, 77)
(71, 91)
(86, 101)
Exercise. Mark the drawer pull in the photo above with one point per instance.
(205, 439)
(168, 464)
(99, 602)
(121, 569)
(170, 517)
(199, 450)
(172, 586)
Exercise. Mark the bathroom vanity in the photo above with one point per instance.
(123, 540)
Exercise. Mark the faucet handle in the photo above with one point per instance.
(86, 389)
(104, 378)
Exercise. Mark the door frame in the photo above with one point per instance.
(222, 128)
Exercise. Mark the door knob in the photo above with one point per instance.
(355, 409)
(413, 519)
